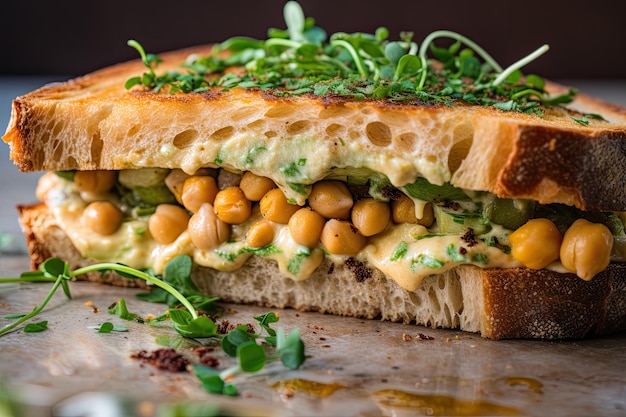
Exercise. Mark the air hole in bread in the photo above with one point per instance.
(133, 130)
(366, 110)
(458, 153)
(58, 147)
(256, 125)
(96, 148)
(378, 133)
(270, 134)
(354, 134)
(300, 126)
(434, 301)
(441, 282)
(339, 111)
(223, 133)
(185, 138)
(58, 127)
(335, 129)
(243, 113)
(280, 111)
(446, 312)
(406, 141)
(417, 301)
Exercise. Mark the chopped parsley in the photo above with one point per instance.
(399, 252)
(303, 59)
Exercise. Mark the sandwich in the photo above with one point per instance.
(346, 174)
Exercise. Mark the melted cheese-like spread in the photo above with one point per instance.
(406, 252)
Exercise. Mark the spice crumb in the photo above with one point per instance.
(166, 359)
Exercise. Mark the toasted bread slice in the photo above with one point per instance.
(93, 122)
(498, 303)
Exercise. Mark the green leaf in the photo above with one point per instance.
(294, 18)
(291, 349)
(233, 339)
(181, 317)
(408, 66)
(425, 191)
(251, 357)
(212, 381)
(36, 327)
(265, 320)
(381, 34)
(168, 341)
(53, 267)
(106, 327)
(196, 328)
(535, 82)
(119, 309)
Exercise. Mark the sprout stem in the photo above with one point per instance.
(140, 274)
(519, 64)
(449, 34)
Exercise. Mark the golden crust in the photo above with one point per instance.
(93, 122)
(498, 303)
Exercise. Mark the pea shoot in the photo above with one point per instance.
(187, 316)
(303, 59)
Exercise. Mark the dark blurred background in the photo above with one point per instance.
(587, 39)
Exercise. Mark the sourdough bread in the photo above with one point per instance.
(498, 303)
(93, 122)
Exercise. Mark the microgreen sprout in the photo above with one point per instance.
(302, 59)
(176, 289)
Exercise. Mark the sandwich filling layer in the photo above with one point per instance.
(221, 217)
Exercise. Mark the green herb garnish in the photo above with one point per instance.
(302, 59)
(187, 321)
(399, 251)
(36, 327)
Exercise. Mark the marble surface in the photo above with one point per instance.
(377, 368)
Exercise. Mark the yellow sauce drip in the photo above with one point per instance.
(532, 384)
(441, 405)
(319, 389)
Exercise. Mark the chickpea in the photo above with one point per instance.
(536, 244)
(306, 227)
(167, 223)
(260, 234)
(275, 207)
(370, 216)
(96, 182)
(174, 181)
(341, 237)
(403, 211)
(232, 206)
(198, 190)
(331, 199)
(206, 230)
(46, 182)
(102, 217)
(586, 248)
(254, 186)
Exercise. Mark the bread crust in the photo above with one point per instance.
(498, 303)
(93, 122)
